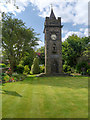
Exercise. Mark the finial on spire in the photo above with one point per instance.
(52, 16)
(51, 6)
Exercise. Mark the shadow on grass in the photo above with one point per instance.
(70, 82)
(13, 93)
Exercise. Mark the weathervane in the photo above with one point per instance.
(13, 2)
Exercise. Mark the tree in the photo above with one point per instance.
(41, 54)
(72, 49)
(83, 62)
(28, 58)
(16, 39)
(35, 67)
(82, 67)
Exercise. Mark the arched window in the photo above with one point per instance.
(54, 48)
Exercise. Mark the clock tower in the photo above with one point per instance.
(53, 45)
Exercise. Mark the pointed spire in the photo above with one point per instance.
(51, 6)
(52, 16)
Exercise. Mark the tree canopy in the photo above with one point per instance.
(73, 48)
(17, 39)
(41, 54)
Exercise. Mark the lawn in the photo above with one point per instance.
(46, 97)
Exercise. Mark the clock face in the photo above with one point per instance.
(53, 37)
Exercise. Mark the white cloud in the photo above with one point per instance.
(75, 11)
(86, 32)
(81, 33)
(81, 10)
(81, 29)
(9, 7)
(40, 44)
(71, 33)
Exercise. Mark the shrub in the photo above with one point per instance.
(9, 72)
(42, 69)
(20, 68)
(3, 74)
(20, 77)
(82, 68)
(35, 67)
(6, 78)
(2, 65)
(88, 71)
(66, 68)
(31, 72)
(72, 70)
(16, 76)
(8, 65)
(26, 69)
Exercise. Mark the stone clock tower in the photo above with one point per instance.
(53, 45)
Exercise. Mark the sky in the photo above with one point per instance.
(73, 13)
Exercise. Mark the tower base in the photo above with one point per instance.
(54, 74)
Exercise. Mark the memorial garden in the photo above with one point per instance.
(27, 95)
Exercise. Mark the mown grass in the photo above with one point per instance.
(46, 97)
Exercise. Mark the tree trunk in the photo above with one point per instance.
(12, 63)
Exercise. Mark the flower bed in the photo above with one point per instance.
(8, 77)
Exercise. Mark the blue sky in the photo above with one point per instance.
(74, 14)
(31, 18)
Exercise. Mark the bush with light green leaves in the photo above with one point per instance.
(26, 70)
(35, 67)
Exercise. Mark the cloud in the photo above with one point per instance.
(81, 10)
(81, 33)
(71, 33)
(86, 32)
(75, 11)
(40, 44)
(9, 7)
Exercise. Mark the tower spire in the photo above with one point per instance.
(52, 16)
(51, 6)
